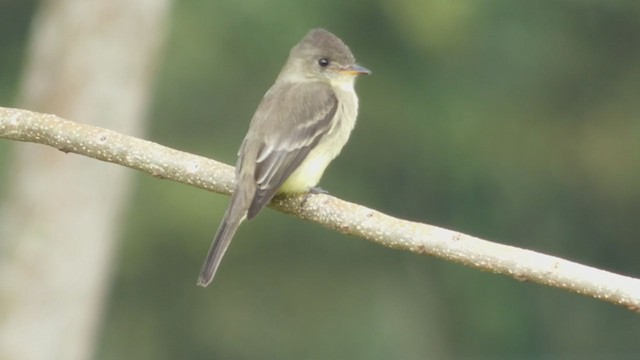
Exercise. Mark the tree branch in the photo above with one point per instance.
(345, 217)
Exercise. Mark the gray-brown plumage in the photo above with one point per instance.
(301, 124)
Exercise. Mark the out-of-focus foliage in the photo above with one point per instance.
(518, 122)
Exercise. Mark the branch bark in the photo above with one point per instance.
(345, 217)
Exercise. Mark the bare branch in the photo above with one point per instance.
(345, 217)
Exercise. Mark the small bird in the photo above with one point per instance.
(300, 126)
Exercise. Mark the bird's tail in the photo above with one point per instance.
(236, 213)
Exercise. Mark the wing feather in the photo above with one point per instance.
(304, 115)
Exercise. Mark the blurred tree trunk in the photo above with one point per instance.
(91, 61)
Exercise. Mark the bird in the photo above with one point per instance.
(301, 124)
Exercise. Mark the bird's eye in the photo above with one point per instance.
(323, 62)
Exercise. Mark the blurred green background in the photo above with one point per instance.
(514, 121)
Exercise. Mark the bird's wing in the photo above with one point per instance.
(304, 115)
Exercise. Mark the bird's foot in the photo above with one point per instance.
(313, 191)
(318, 190)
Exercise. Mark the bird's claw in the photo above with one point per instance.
(313, 191)
(318, 190)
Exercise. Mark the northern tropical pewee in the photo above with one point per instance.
(301, 124)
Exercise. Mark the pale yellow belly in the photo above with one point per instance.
(308, 174)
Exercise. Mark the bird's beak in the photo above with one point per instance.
(354, 70)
